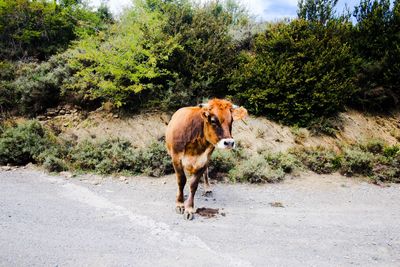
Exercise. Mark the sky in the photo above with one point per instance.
(268, 10)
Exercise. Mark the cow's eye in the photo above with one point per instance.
(213, 120)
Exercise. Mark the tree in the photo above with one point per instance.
(316, 10)
(376, 41)
(41, 28)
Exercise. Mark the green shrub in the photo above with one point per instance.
(284, 161)
(222, 161)
(39, 29)
(54, 164)
(124, 65)
(23, 144)
(357, 162)
(256, 170)
(106, 157)
(375, 41)
(374, 146)
(389, 172)
(319, 160)
(154, 160)
(391, 151)
(37, 86)
(297, 72)
(326, 126)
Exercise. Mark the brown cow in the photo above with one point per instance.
(191, 136)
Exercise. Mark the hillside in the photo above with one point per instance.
(254, 134)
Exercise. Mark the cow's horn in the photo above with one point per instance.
(235, 106)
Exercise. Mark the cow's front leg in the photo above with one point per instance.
(189, 204)
(181, 181)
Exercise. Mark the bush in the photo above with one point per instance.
(23, 144)
(296, 72)
(154, 160)
(39, 29)
(115, 155)
(54, 164)
(391, 151)
(37, 86)
(223, 161)
(357, 162)
(374, 146)
(287, 162)
(375, 41)
(388, 171)
(256, 170)
(319, 160)
(106, 157)
(124, 65)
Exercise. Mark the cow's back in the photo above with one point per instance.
(185, 126)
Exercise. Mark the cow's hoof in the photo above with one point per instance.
(208, 193)
(180, 209)
(188, 216)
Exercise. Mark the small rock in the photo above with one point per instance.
(164, 182)
(6, 168)
(65, 124)
(61, 112)
(115, 116)
(123, 178)
(95, 182)
(41, 117)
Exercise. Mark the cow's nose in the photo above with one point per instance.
(229, 143)
(226, 143)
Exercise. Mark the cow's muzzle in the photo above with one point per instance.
(226, 143)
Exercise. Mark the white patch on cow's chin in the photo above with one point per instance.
(226, 143)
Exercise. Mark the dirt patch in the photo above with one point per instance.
(276, 204)
(208, 212)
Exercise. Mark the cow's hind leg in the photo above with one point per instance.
(189, 204)
(207, 187)
(181, 181)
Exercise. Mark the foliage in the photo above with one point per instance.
(7, 95)
(316, 10)
(22, 144)
(37, 86)
(223, 161)
(376, 41)
(105, 157)
(207, 55)
(286, 162)
(357, 162)
(154, 160)
(162, 53)
(124, 64)
(319, 160)
(296, 72)
(255, 169)
(38, 29)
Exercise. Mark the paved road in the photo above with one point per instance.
(50, 220)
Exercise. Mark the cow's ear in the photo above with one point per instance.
(239, 113)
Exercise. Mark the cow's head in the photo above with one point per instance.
(218, 116)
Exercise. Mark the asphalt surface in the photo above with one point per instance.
(48, 220)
